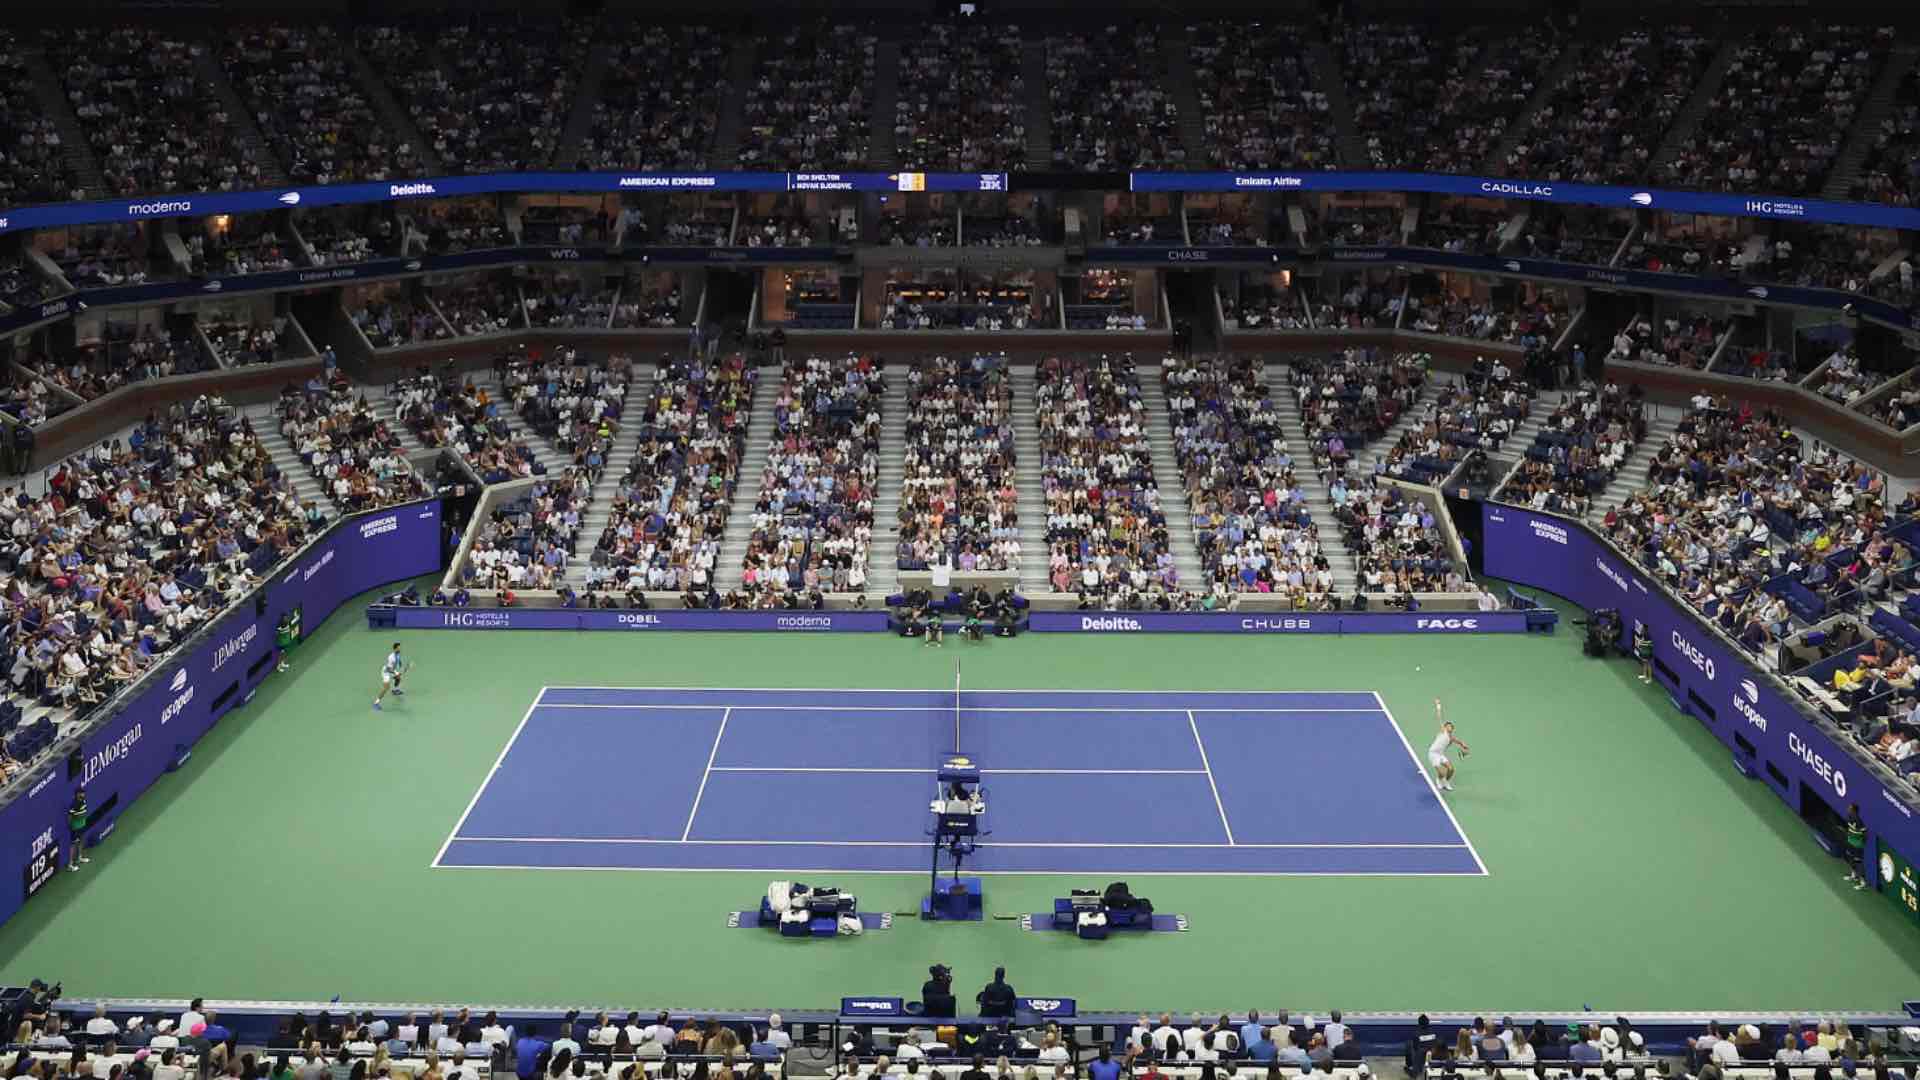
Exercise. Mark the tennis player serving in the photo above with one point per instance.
(1437, 750)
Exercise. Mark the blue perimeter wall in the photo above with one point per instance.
(183, 696)
(1710, 680)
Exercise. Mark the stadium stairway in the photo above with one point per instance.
(1349, 149)
(1687, 120)
(253, 144)
(1167, 476)
(1866, 125)
(1029, 482)
(1178, 61)
(730, 567)
(1542, 93)
(74, 147)
(599, 511)
(733, 104)
(396, 118)
(266, 427)
(1333, 544)
(585, 97)
(1033, 75)
(883, 567)
(882, 146)
(1632, 476)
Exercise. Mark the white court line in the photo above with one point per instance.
(1217, 804)
(718, 734)
(923, 843)
(938, 706)
(481, 790)
(843, 871)
(1431, 786)
(936, 690)
(930, 772)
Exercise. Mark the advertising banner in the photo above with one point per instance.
(181, 699)
(1347, 622)
(1623, 197)
(439, 618)
(1765, 727)
(203, 204)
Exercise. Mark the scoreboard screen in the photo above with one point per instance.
(1900, 882)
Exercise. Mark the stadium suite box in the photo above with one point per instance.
(1771, 735)
(154, 725)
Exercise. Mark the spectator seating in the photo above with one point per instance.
(659, 100)
(486, 306)
(1106, 535)
(1350, 399)
(1251, 524)
(358, 461)
(1440, 102)
(564, 300)
(396, 319)
(1604, 121)
(576, 406)
(1460, 419)
(465, 418)
(1258, 104)
(669, 511)
(1842, 379)
(91, 606)
(33, 167)
(1578, 450)
(1782, 110)
(962, 101)
(1891, 172)
(813, 521)
(1111, 108)
(639, 308)
(260, 343)
(1395, 540)
(808, 104)
(957, 498)
(499, 95)
(1573, 233)
(303, 91)
(1750, 546)
(526, 543)
(155, 125)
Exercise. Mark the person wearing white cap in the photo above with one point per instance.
(778, 1035)
(1610, 1045)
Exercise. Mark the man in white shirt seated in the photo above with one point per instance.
(100, 1026)
(409, 1031)
(777, 1035)
(492, 1032)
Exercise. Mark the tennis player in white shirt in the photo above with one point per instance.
(1437, 750)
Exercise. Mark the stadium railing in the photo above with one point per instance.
(254, 1023)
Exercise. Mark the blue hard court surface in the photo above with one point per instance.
(792, 781)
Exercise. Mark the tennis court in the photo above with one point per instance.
(1230, 782)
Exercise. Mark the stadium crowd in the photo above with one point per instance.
(154, 123)
(1110, 105)
(1251, 525)
(1106, 535)
(300, 84)
(1579, 450)
(669, 511)
(1440, 102)
(348, 448)
(654, 115)
(136, 544)
(1258, 104)
(962, 100)
(958, 504)
(808, 104)
(813, 520)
